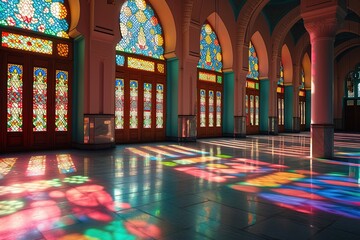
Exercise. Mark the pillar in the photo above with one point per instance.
(321, 19)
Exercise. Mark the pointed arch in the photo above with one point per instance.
(288, 65)
(306, 64)
(259, 44)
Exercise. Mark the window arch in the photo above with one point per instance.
(140, 30)
(47, 17)
(210, 50)
(140, 84)
(210, 88)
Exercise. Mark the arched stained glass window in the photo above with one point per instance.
(210, 50)
(253, 63)
(302, 84)
(281, 79)
(46, 16)
(140, 30)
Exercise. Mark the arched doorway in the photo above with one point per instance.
(210, 84)
(140, 84)
(352, 100)
(36, 58)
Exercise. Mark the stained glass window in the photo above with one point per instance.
(120, 60)
(39, 99)
(207, 77)
(253, 63)
(218, 109)
(147, 105)
(246, 104)
(210, 50)
(211, 108)
(63, 49)
(358, 86)
(61, 100)
(252, 112)
(46, 16)
(36, 166)
(26, 43)
(202, 108)
(141, 64)
(281, 79)
(140, 30)
(15, 98)
(133, 104)
(160, 67)
(256, 110)
(302, 85)
(159, 105)
(119, 103)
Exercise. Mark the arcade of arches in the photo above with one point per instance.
(150, 72)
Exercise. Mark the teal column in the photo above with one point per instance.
(172, 83)
(264, 105)
(289, 107)
(228, 104)
(78, 91)
(308, 110)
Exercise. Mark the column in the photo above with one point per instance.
(321, 21)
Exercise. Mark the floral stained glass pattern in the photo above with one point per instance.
(218, 109)
(45, 16)
(252, 111)
(15, 98)
(39, 99)
(253, 63)
(61, 100)
(302, 84)
(120, 60)
(211, 108)
(141, 30)
(147, 105)
(210, 50)
(281, 79)
(159, 105)
(256, 110)
(134, 104)
(62, 49)
(26, 43)
(207, 77)
(202, 108)
(119, 103)
(141, 64)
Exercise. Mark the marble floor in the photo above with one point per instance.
(261, 187)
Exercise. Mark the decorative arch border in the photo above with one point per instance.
(260, 46)
(306, 64)
(224, 38)
(288, 65)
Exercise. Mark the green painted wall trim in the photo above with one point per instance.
(172, 83)
(308, 109)
(264, 104)
(289, 107)
(78, 91)
(228, 104)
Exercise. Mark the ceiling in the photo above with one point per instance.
(275, 10)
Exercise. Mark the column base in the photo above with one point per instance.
(322, 141)
(273, 126)
(186, 128)
(239, 126)
(296, 125)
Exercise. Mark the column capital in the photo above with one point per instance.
(322, 18)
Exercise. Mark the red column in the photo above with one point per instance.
(321, 21)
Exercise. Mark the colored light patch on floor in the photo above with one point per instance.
(6, 164)
(330, 193)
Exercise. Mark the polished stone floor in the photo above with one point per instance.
(261, 187)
